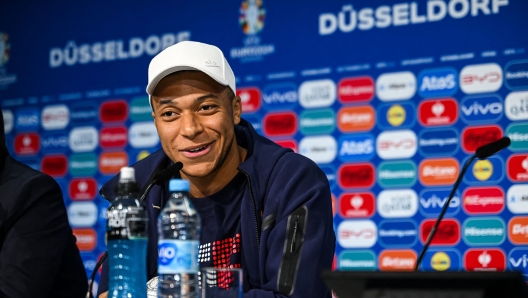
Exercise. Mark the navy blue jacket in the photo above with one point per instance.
(287, 225)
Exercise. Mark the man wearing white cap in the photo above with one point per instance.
(264, 208)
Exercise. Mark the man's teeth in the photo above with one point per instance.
(197, 149)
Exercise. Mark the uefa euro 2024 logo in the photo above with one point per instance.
(252, 15)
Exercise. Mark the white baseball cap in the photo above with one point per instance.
(190, 55)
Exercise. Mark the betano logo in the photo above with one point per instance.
(447, 233)
(352, 90)
(397, 203)
(353, 119)
(518, 167)
(397, 260)
(317, 94)
(441, 171)
(357, 234)
(112, 137)
(484, 260)
(516, 105)
(320, 149)
(111, 162)
(113, 111)
(518, 230)
(82, 189)
(438, 112)
(483, 200)
(86, 239)
(477, 136)
(250, 98)
(396, 86)
(357, 205)
(55, 117)
(484, 109)
(484, 231)
(517, 198)
(280, 124)
(360, 175)
(396, 144)
(437, 82)
(481, 78)
(54, 165)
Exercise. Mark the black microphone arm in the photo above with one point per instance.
(482, 152)
(159, 178)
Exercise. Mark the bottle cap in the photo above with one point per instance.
(179, 185)
(127, 174)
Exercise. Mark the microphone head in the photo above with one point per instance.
(488, 150)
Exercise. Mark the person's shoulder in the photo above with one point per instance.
(19, 173)
(292, 164)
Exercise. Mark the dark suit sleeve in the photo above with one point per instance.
(37, 250)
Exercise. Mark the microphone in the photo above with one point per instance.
(492, 148)
(482, 152)
(160, 178)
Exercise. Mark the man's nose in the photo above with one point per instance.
(190, 125)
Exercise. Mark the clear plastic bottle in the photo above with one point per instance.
(179, 238)
(127, 240)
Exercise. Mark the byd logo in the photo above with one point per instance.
(438, 112)
(356, 205)
(481, 78)
(477, 136)
(396, 144)
(55, 117)
(357, 234)
(250, 98)
(351, 90)
(82, 189)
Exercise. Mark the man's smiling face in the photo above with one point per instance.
(195, 118)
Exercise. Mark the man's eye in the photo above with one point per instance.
(168, 114)
(207, 107)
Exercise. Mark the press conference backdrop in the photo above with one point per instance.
(388, 97)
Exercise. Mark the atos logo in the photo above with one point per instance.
(357, 260)
(396, 144)
(516, 106)
(140, 109)
(517, 198)
(282, 96)
(112, 137)
(487, 171)
(83, 139)
(357, 205)
(401, 115)
(436, 142)
(397, 260)
(484, 231)
(86, 239)
(396, 86)
(444, 260)
(317, 121)
(516, 76)
(518, 260)
(83, 214)
(481, 109)
(477, 136)
(27, 143)
(361, 175)
(438, 112)
(111, 162)
(433, 200)
(113, 111)
(83, 113)
(317, 94)
(481, 78)
(397, 233)
(54, 165)
(397, 174)
(55, 117)
(397, 203)
(53, 141)
(353, 119)
(448, 232)
(356, 147)
(9, 121)
(518, 230)
(352, 90)
(83, 164)
(280, 124)
(441, 171)
(437, 82)
(250, 98)
(290, 144)
(82, 189)
(483, 200)
(321, 149)
(518, 134)
(484, 260)
(143, 135)
(27, 119)
(357, 234)
(518, 168)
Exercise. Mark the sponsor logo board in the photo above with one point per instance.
(83, 113)
(435, 142)
(441, 260)
(320, 149)
(280, 124)
(330, 173)
(438, 112)
(359, 175)
(290, 144)
(140, 109)
(86, 239)
(484, 260)
(483, 200)
(484, 231)
(83, 139)
(397, 203)
(111, 137)
(357, 260)
(281, 96)
(353, 119)
(396, 144)
(27, 119)
(483, 109)
(54, 165)
(517, 167)
(518, 134)
(397, 260)
(396, 86)
(517, 198)
(54, 141)
(356, 147)
(55, 117)
(398, 115)
(516, 106)
(317, 94)
(27, 143)
(437, 82)
(250, 98)
(357, 234)
(481, 78)
(113, 111)
(83, 164)
(516, 74)
(352, 90)
(82, 214)
(518, 230)
(82, 189)
(440, 171)
(9, 121)
(357, 205)
(489, 170)
(518, 260)
(433, 200)
(397, 174)
(397, 233)
(448, 232)
(474, 137)
(143, 135)
(111, 162)
(317, 121)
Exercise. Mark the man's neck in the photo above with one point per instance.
(206, 186)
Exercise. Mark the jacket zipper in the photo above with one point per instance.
(254, 210)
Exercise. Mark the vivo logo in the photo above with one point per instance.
(481, 109)
(281, 96)
(432, 202)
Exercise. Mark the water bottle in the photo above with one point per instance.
(127, 240)
(179, 238)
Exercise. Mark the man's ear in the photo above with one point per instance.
(237, 109)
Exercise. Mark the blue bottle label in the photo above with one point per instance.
(177, 256)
